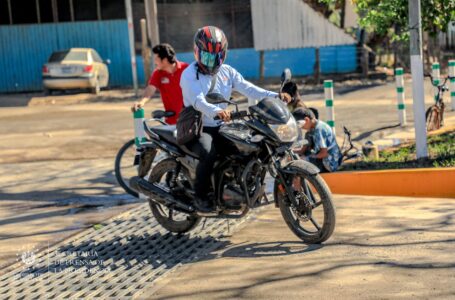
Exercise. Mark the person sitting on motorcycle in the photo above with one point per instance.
(166, 79)
(322, 149)
(210, 50)
(291, 96)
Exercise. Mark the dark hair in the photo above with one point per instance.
(290, 88)
(165, 51)
(302, 113)
(315, 112)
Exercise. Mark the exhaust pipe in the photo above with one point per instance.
(158, 194)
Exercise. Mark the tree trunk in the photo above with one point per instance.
(342, 13)
(426, 52)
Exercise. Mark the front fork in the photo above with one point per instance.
(286, 185)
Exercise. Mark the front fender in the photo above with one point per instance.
(297, 166)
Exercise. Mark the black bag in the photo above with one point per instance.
(189, 123)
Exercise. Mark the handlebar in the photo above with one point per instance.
(438, 85)
(235, 115)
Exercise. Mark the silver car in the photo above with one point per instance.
(75, 68)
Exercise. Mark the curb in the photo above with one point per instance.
(425, 182)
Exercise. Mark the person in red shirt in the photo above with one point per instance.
(166, 79)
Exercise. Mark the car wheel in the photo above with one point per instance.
(96, 89)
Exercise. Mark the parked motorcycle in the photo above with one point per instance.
(261, 140)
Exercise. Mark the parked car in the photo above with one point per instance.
(75, 68)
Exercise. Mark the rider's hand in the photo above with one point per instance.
(224, 115)
(137, 105)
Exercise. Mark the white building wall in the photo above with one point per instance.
(283, 24)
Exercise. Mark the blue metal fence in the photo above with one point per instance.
(25, 48)
(334, 59)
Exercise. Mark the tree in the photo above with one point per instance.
(388, 19)
(381, 15)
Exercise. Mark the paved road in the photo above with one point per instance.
(55, 158)
(382, 248)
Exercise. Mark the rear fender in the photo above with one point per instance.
(166, 147)
(145, 163)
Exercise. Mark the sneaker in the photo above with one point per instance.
(203, 205)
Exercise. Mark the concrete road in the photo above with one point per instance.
(58, 153)
(98, 129)
(382, 248)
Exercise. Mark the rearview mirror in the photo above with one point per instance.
(286, 76)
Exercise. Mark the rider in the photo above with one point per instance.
(210, 50)
(324, 151)
(165, 78)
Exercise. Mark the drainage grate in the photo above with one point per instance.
(117, 261)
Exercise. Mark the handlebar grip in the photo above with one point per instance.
(238, 115)
(234, 115)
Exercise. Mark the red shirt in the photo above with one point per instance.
(169, 86)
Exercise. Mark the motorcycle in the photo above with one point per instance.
(261, 140)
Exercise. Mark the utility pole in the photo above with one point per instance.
(418, 93)
(129, 16)
(152, 10)
(145, 50)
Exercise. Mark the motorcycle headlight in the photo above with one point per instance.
(288, 132)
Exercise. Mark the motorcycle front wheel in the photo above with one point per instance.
(313, 218)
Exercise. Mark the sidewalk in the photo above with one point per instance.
(407, 133)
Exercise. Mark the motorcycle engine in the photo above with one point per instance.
(233, 197)
(241, 180)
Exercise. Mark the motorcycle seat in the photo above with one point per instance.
(169, 134)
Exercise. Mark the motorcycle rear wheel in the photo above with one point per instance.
(170, 219)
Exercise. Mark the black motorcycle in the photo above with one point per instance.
(261, 140)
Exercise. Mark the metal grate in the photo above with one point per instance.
(117, 261)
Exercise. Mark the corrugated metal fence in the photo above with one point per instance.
(334, 59)
(24, 49)
(289, 24)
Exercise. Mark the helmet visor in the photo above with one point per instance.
(209, 59)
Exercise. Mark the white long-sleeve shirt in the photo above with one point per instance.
(228, 79)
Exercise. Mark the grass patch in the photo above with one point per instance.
(441, 149)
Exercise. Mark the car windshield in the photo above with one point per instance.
(68, 55)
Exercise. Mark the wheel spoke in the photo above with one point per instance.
(306, 190)
(315, 223)
(317, 204)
